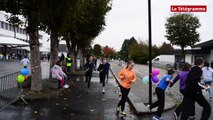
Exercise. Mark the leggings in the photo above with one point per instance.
(124, 92)
(61, 83)
(88, 79)
(102, 78)
(161, 101)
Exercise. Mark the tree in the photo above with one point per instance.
(109, 52)
(86, 22)
(139, 52)
(165, 48)
(181, 30)
(30, 10)
(97, 50)
(52, 14)
(126, 47)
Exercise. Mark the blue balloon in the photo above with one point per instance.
(25, 71)
(145, 80)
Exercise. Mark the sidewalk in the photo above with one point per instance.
(74, 104)
(139, 94)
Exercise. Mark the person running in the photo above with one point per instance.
(107, 65)
(160, 91)
(127, 77)
(207, 77)
(25, 62)
(182, 75)
(193, 92)
(102, 73)
(89, 66)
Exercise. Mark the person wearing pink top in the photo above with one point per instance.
(58, 73)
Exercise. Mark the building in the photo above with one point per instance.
(19, 33)
(204, 49)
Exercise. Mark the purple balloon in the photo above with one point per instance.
(155, 72)
(155, 79)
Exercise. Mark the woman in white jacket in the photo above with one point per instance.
(207, 77)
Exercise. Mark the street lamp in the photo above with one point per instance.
(150, 51)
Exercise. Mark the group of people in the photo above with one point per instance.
(103, 69)
(190, 87)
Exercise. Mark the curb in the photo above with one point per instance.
(139, 108)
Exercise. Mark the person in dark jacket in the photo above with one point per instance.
(182, 75)
(89, 66)
(103, 71)
(193, 92)
(107, 65)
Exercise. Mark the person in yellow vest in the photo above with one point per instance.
(69, 62)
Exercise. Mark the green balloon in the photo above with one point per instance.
(20, 79)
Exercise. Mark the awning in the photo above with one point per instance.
(41, 49)
(12, 42)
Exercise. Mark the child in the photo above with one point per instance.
(160, 91)
(182, 76)
(128, 77)
(102, 74)
(194, 92)
(207, 77)
(89, 66)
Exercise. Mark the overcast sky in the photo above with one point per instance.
(129, 18)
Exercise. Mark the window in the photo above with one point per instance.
(24, 31)
(17, 29)
(21, 30)
(6, 26)
(2, 24)
(10, 27)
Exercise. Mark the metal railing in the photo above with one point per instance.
(6, 98)
(8, 81)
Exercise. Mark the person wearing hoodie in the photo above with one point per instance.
(182, 75)
(207, 77)
(127, 77)
(193, 92)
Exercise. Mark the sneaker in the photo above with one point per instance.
(157, 118)
(175, 115)
(210, 98)
(123, 113)
(148, 106)
(103, 91)
(66, 86)
(117, 109)
(191, 117)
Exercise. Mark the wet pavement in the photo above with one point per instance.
(75, 104)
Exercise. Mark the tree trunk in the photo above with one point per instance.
(36, 84)
(81, 58)
(73, 54)
(54, 42)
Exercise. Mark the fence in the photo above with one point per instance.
(7, 83)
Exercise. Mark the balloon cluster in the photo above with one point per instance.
(23, 76)
(155, 79)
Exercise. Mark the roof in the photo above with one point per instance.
(204, 44)
(12, 42)
(41, 49)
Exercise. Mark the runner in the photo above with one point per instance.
(102, 69)
(127, 77)
(89, 66)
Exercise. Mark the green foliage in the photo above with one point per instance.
(126, 47)
(181, 29)
(165, 49)
(97, 50)
(139, 52)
